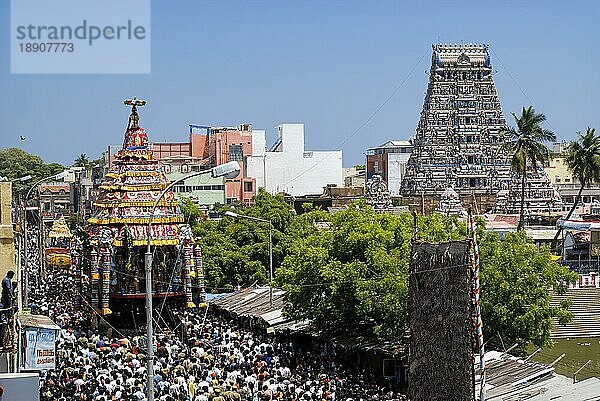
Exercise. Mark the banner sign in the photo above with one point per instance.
(40, 352)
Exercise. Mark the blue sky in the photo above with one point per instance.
(328, 64)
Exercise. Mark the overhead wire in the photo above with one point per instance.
(367, 121)
(510, 75)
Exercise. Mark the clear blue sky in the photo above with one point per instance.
(327, 64)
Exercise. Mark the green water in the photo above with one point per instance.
(578, 351)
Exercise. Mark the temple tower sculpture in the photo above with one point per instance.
(458, 139)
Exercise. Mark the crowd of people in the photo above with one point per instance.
(212, 359)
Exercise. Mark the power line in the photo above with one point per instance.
(367, 121)
(517, 84)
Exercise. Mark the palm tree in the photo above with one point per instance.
(583, 161)
(527, 145)
(82, 161)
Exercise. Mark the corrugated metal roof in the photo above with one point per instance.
(511, 379)
(392, 144)
(40, 321)
(255, 302)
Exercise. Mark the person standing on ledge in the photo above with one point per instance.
(8, 293)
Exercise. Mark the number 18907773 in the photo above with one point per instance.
(47, 47)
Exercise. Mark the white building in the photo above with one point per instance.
(288, 167)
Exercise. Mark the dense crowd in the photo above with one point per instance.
(218, 360)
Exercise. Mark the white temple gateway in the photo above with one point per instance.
(459, 138)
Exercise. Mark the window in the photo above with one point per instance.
(236, 153)
(376, 167)
(567, 179)
(470, 159)
(557, 179)
(247, 186)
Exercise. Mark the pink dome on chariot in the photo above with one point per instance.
(135, 138)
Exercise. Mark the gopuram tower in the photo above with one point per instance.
(459, 138)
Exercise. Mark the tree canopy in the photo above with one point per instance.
(348, 270)
(526, 143)
(515, 278)
(16, 163)
(82, 161)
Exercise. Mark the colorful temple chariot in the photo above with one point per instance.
(119, 230)
(60, 229)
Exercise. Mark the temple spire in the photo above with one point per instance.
(134, 118)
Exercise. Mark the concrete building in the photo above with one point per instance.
(563, 180)
(82, 183)
(208, 147)
(389, 161)
(203, 189)
(288, 167)
(353, 177)
(7, 239)
(55, 200)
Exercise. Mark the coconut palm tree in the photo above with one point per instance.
(527, 145)
(583, 161)
(82, 161)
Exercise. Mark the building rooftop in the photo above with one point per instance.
(512, 379)
(393, 144)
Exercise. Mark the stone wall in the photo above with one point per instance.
(479, 203)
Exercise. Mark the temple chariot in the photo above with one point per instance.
(114, 277)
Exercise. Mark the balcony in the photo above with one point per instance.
(582, 266)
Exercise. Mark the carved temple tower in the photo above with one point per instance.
(459, 138)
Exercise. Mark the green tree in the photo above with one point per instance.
(191, 211)
(236, 251)
(15, 163)
(527, 145)
(583, 160)
(348, 271)
(100, 160)
(353, 274)
(515, 302)
(82, 161)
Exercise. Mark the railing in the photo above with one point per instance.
(7, 318)
(582, 266)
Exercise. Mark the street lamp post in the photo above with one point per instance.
(24, 273)
(227, 170)
(270, 223)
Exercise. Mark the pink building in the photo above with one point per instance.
(211, 146)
